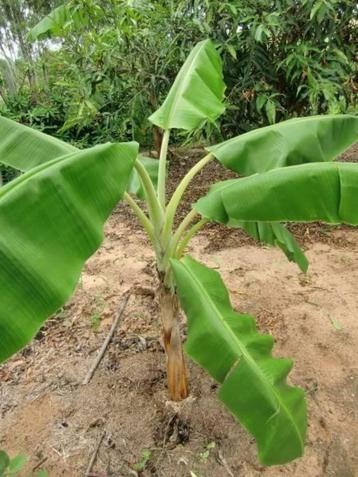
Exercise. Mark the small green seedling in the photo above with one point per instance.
(206, 453)
(12, 467)
(52, 217)
(145, 457)
(95, 321)
(96, 317)
(9, 467)
(336, 323)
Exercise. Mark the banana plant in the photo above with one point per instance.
(52, 216)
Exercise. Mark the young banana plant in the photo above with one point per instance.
(52, 216)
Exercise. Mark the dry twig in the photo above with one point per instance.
(94, 455)
(39, 464)
(107, 340)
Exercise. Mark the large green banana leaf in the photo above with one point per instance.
(296, 141)
(227, 345)
(276, 234)
(292, 142)
(197, 93)
(51, 222)
(269, 233)
(23, 148)
(321, 191)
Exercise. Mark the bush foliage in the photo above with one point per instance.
(94, 70)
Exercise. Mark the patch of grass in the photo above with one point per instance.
(145, 457)
(95, 321)
(96, 316)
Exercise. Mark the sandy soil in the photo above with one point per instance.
(47, 414)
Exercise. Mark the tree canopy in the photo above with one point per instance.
(94, 70)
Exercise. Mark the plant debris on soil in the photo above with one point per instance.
(47, 414)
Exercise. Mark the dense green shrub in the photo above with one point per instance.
(115, 60)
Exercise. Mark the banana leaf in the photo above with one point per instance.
(52, 25)
(253, 383)
(293, 142)
(197, 93)
(276, 234)
(51, 222)
(24, 148)
(325, 192)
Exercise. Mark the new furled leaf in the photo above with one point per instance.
(197, 93)
(228, 346)
(51, 222)
(326, 192)
(292, 142)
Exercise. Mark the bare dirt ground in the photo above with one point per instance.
(47, 414)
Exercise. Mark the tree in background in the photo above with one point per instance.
(116, 59)
(18, 54)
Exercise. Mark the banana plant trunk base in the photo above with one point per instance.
(176, 369)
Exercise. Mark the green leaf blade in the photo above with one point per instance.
(51, 25)
(4, 461)
(17, 463)
(197, 93)
(23, 148)
(276, 234)
(51, 222)
(228, 346)
(326, 192)
(293, 142)
(281, 440)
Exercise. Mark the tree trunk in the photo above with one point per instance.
(157, 139)
(19, 22)
(176, 369)
(10, 75)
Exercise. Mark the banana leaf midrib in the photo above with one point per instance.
(251, 362)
